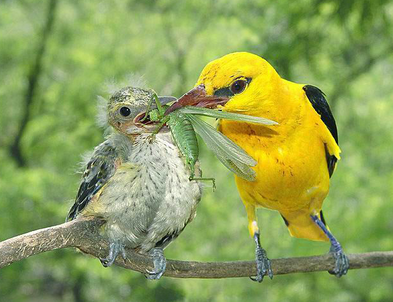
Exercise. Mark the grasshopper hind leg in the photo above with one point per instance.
(192, 177)
(213, 180)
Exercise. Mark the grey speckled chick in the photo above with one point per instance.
(139, 185)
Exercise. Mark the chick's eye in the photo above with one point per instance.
(238, 86)
(125, 111)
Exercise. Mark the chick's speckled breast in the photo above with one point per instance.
(150, 199)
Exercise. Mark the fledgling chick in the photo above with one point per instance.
(139, 185)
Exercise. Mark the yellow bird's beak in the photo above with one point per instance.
(198, 97)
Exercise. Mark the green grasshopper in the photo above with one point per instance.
(184, 125)
(182, 132)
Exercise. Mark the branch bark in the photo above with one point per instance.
(84, 235)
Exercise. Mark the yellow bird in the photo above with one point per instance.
(295, 158)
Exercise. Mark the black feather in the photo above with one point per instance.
(320, 105)
(318, 101)
(163, 243)
(224, 92)
(322, 218)
(285, 220)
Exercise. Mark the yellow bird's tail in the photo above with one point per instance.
(300, 225)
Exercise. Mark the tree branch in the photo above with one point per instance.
(84, 235)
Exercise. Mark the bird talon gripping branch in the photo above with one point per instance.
(115, 248)
(262, 262)
(341, 264)
(159, 263)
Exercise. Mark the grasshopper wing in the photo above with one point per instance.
(227, 115)
(231, 155)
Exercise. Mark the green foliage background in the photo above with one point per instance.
(343, 47)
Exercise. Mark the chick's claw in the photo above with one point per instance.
(159, 262)
(115, 248)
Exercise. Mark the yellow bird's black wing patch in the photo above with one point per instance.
(99, 170)
(319, 103)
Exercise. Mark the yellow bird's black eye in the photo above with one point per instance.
(238, 86)
(125, 111)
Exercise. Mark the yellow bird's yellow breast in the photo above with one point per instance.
(292, 172)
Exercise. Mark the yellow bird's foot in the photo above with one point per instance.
(159, 262)
(342, 262)
(263, 263)
(115, 248)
